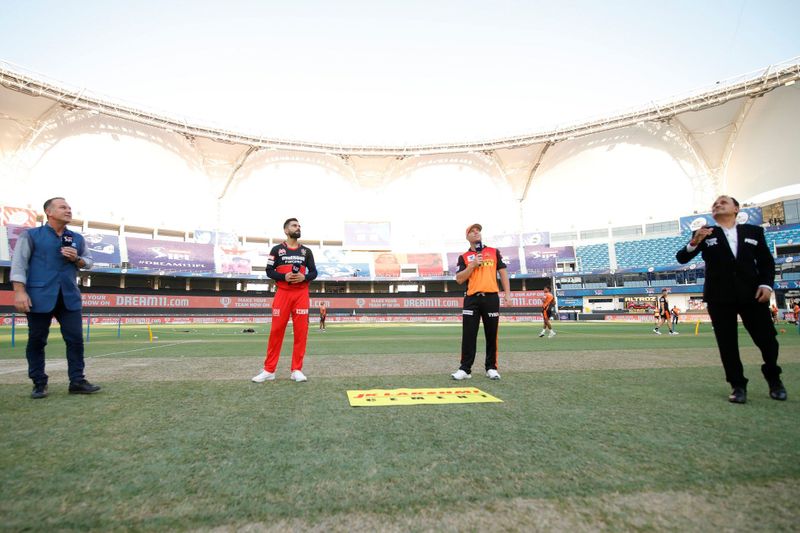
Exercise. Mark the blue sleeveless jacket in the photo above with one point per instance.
(49, 272)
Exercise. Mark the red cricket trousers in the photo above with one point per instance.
(294, 304)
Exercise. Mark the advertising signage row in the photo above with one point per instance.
(99, 301)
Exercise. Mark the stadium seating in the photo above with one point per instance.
(592, 257)
(649, 252)
(783, 237)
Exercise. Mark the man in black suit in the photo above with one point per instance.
(740, 271)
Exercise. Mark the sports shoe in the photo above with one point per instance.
(39, 391)
(542, 334)
(263, 376)
(459, 375)
(777, 391)
(656, 332)
(552, 334)
(82, 387)
(492, 374)
(298, 376)
(738, 395)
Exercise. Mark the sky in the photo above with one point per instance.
(395, 73)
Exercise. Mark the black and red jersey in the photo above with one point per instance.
(283, 259)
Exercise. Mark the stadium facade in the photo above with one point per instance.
(177, 205)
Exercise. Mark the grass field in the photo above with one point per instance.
(605, 427)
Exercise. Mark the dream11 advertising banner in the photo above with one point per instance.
(540, 259)
(104, 249)
(336, 263)
(17, 216)
(367, 236)
(229, 255)
(539, 238)
(173, 256)
(747, 215)
(510, 259)
(388, 265)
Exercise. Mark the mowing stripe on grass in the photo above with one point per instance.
(64, 363)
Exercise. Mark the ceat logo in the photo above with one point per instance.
(225, 301)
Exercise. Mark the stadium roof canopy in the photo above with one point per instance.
(727, 137)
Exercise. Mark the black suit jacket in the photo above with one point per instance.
(734, 279)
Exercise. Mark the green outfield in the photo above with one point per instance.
(604, 427)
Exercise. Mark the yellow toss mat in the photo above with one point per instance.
(380, 397)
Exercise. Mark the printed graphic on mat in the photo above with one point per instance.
(383, 397)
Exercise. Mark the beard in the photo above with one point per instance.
(295, 235)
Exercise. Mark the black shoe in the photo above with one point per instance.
(777, 392)
(82, 387)
(39, 391)
(738, 395)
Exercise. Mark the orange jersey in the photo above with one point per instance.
(483, 278)
(548, 301)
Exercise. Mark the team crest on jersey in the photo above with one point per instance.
(282, 251)
(276, 312)
(303, 252)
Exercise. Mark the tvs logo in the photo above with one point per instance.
(225, 301)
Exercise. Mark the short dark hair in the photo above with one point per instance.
(50, 201)
(288, 220)
(734, 200)
(547, 287)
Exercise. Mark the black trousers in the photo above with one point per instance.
(757, 321)
(480, 306)
(72, 332)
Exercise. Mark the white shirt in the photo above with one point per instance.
(733, 238)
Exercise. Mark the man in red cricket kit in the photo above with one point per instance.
(292, 267)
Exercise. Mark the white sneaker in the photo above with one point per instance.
(492, 374)
(542, 334)
(298, 376)
(656, 332)
(673, 333)
(552, 334)
(263, 376)
(459, 374)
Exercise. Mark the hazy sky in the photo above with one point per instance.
(370, 72)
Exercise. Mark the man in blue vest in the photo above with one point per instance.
(43, 271)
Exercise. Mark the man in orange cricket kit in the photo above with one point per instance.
(478, 268)
(292, 267)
